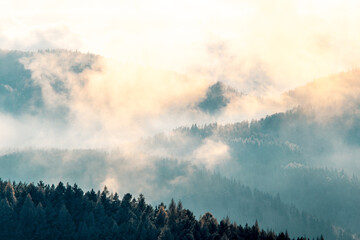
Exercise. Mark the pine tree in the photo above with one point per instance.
(27, 219)
(161, 216)
(8, 220)
(10, 194)
(83, 232)
(65, 223)
(40, 222)
(166, 234)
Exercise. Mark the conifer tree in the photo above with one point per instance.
(10, 194)
(8, 220)
(27, 219)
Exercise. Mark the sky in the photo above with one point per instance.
(161, 57)
(286, 42)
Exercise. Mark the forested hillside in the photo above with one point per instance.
(236, 119)
(41, 211)
(287, 153)
(199, 190)
(21, 95)
(66, 117)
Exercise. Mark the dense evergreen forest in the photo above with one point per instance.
(199, 190)
(66, 212)
(289, 154)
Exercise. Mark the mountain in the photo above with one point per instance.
(67, 117)
(199, 190)
(286, 153)
(21, 94)
(217, 98)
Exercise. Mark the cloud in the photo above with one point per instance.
(17, 35)
(278, 45)
(250, 75)
(211, 154)
(259, 48)
(6, 88)
(91, 101)
(98, 102)
(328, 97)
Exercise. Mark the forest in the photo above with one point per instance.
(291, 170)
(154, 119)
(41, 211)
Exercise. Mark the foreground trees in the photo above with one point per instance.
(66, 212)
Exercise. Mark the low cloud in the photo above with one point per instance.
(211, 154)
(16, 35)
(101, 103)
(88, 101)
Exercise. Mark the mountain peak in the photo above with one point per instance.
(217, 97)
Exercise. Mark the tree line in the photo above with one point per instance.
(44, 211)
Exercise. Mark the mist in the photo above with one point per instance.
(292, 42)
(208, 98)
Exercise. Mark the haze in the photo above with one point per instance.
(290, 42)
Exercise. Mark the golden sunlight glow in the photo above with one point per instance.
(298, 40)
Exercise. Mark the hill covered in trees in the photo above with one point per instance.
(310, 163)
(69, 117)
(200, 190)
(67, 212)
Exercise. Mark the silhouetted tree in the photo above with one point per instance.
(71, 214)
